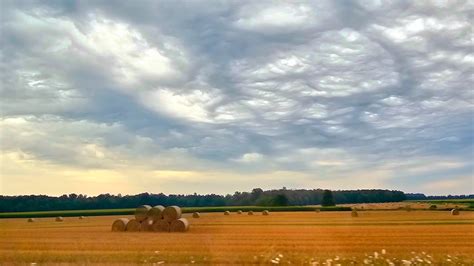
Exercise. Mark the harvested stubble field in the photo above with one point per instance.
(280, 238)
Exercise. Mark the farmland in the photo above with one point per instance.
(102, 212)
(280, 238)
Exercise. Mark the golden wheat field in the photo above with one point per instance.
(325, 238)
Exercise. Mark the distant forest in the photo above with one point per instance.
(256, 197)
(420, 196)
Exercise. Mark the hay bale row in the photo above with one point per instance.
(120, 225)
(57, 219)
(156, 213)
(154, 219)
(265, 212)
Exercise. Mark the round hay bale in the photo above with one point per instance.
(227, 213)
(171, 213)
(354, 213)
(59, 219)
(156, 213)
(82, 217)
(265, 212)
(161, 226)
(141, 212)
(180, 225)
(408, 208)
(196, 215)
(31, 220)
(133, 226)
(146, 225)
(239, 212)
(250, 213)
(454, 211)
(433, 207)
(120, 225)
(317, 210)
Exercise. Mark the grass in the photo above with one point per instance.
(105, 212)
(421, 237)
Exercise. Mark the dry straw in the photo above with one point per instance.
(454, 212)
(133, 226)
(180, 225)
(146, 225)
(120, 225)
(156, 213)
(171, 213)
(227, 213)
(141, 212)
(59, 219)
(196, 215)
(265, 212)
(158, 218)
(161, 226)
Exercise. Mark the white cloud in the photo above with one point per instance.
(250, 157)
(268, 17)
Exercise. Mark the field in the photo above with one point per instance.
(102, 212)
(415, 205)
(281, 238)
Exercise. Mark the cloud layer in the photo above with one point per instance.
(186, 96)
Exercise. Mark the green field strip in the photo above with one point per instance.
(105, 212)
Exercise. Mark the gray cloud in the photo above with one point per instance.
(327, 88)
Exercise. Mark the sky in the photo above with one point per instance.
(222, 96)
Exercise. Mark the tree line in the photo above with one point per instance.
(421, 196)
(258, 197)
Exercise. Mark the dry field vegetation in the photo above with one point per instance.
(324, 238)
(422, 205)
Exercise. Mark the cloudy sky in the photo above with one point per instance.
(218, 96)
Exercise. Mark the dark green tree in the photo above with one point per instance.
(328, 199)
(280, 200)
